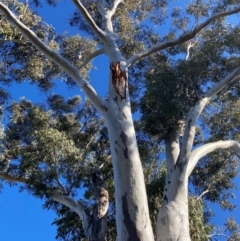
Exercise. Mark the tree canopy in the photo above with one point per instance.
(178, 67)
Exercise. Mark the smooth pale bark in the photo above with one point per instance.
(95, 223)
(54, 56)
(172, 153)
(132, 214)
(173, 217)
(9, 178)
(173, 221)
(202, 151)
(132, 217)
(91, 57)
(181, 39)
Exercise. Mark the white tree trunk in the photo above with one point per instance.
(172, 223)
(173, 219)
(132, 214)
(133, 222)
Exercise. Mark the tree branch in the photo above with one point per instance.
(69, 202)
(92, 56)
(189, 46)
(25, 10)
(114, 7)
(202, 151)
(181, 39)
(195, 112)
(215, 89)
(13, 40)
(89, 20)
(203, 193)
(9, 178)
(90, 222)
(220, 235)
(55, 57)
(190, 126)
(101, 7)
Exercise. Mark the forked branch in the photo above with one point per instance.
(195, 112)
(181, 39)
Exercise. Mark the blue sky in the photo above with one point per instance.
(22, 216)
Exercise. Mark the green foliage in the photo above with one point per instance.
(54, 148)
(233, 228)
(199, 230)
(60, 144)
(173, 89)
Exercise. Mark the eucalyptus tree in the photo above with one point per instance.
(31, 50)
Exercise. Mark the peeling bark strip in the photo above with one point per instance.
(133, 233)
(119, 79)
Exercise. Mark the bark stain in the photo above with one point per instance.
(104, 108)
(180, 165)
(115, 99)
(133, 233)
(122, 113)
(123, 137)
(163, 221)
(189, 123)
(165, 198)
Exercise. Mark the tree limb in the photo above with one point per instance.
(215, 89)
(189, 46)
(202, 151)
(195, 112)
(114, 7)
(13, 40)
(101, 8)
(69, 202)
(92, 56)
(181, 39)
(95, 224)
(220, 235)
(89, 20)
(9, 178)
(203, 193)
(55, 57)
(25, 10)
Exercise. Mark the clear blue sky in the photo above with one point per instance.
(21, 215)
